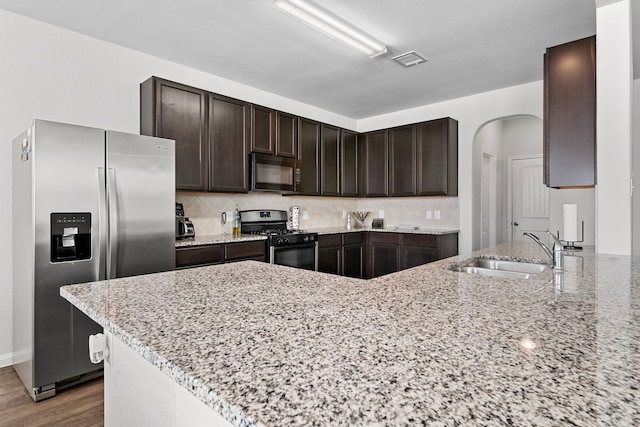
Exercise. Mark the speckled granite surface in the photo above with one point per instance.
(271, 345)
(215, 239)
(228, 238)
(334, 230)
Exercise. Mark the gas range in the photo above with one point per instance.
(296, 248)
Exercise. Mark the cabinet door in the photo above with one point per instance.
(253, 250)
(191, 256)
(353, 256)
(374, 164)
(570, 114)
(229, 137)
(330, 253)
(437, 158)
(263, 130)
(384, 253)
(330, 161)
(286, 135)
(309, 154)
(174, 111)
(402, 161)
(349, 163)
(413, 256)
(329, 260)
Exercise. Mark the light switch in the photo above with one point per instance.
(428, 214)
(344, 214)
(381, 214)
(305, 215)
(436, 214)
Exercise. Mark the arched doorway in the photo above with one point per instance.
(496, 144)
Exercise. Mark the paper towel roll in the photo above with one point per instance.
(570, 222)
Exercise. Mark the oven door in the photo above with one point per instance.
(304, 255)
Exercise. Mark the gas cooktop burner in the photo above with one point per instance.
(277, 232)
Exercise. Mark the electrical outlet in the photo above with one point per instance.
(436, 214)
(428, 214)
(381, 214)
(344, 214)
(305, 215)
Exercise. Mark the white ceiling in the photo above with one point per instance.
(472, 46)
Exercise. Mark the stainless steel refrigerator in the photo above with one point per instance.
(88, 204)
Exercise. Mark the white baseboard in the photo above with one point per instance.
(6, 360)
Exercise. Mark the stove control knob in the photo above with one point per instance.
(305, 239)
(285, 240)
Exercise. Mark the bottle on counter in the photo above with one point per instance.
(236, 223)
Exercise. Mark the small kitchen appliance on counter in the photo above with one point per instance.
(184, 226)
(295, 248)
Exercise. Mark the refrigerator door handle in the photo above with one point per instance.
(102, 225)
(112, 251)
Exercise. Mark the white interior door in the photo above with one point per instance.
(529, 198)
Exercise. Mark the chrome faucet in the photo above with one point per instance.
(556, 255)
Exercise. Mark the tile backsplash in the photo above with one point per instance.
(205, 209)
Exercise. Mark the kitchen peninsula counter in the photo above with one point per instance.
(270, 345)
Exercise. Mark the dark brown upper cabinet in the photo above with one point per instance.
(349, 163)
(374, 164)
(273, 132)
(175, 111)
(229, 144)
(286, 135)
(309, 155)
(437, 157)
(402, 161)
(570, 114)
(263, 130)
(330, 160)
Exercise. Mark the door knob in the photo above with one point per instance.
(515, 224)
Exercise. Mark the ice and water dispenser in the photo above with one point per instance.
(70, 236)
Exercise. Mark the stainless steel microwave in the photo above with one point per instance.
(274, 173)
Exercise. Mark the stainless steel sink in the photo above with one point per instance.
(500, 268)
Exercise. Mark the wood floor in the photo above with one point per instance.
(79, 406)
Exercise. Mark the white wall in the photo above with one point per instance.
(614, 92)
(636, 168)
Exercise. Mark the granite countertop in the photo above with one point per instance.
(271, 345)
(335, 230)
(228, 238)
(212, 239)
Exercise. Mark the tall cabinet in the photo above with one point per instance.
(175, 111)
(570, 114)
(211, 133)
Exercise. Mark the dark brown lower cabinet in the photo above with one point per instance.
(330, 253)
(195, 256)
(353, 259)
(341, 254)
(384, 254)
(391, 252)
(192, 256)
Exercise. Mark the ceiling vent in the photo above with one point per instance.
(409, 58)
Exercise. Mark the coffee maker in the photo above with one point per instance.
(184, 227)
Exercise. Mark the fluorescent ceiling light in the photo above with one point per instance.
(331, 25)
